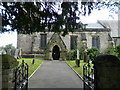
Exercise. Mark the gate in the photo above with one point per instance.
(88, 76)
(21, 77)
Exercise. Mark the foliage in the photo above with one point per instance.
(114, 51)
(110, 51)
(7, 47)
(72, 54)
(29, 17)
(117, 50)
(92, 53)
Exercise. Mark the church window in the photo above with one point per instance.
(43, 40)
(73, 42)
(96, 42)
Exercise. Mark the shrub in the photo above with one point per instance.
(110, 51)
(117, 50)
(114, 51)
(72, 54)
(92, 53)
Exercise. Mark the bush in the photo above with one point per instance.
(114, 51)
(7, 48)
(72, 54)
(92, 53)
(117, 50)
(110, 51)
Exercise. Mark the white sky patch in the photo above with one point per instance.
(99, 15)
(8, 38)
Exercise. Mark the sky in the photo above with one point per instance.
(11, 37)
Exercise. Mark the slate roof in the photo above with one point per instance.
(94, 26)
(112, 25)
(98, 27)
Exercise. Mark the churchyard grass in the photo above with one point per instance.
(32, 67)
(79, 70)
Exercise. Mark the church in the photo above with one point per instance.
(54, 46)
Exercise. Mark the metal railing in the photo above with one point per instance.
(21, 76)
(88, 76)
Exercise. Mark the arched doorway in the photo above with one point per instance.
(56, 53)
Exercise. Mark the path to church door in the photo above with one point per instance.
(56, 53)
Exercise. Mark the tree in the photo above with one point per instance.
(7, 47)
(29, 17)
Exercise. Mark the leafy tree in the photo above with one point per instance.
(8, 47)
(114, 51)
(29, 17)
(1, 48)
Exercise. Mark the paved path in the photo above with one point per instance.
(55, 74)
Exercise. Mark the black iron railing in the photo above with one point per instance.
(88, 76)
(21, 76)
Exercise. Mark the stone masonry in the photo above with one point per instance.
(30, 44)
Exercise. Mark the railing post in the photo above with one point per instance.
(21, 76)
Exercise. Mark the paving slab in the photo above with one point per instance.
(55, 74)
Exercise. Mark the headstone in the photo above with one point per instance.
(16, 53)
(2, 52)
(107, 71)
(13, 52)
(33, 61)
(8, 52)
(20, 52)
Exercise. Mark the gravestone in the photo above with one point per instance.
(16, 53)
(9, 64)
(20, 53)
(107, 72)
(8, 52)
(13, 52)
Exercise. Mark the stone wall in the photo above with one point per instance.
(24, 41)
(30, 44)
(103, 39)
(9, 65)
(36, 43)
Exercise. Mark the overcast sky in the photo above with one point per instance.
(11, 37)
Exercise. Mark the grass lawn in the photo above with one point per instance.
(32, 67)
(79, 70)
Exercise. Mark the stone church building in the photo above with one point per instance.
(53, 46)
